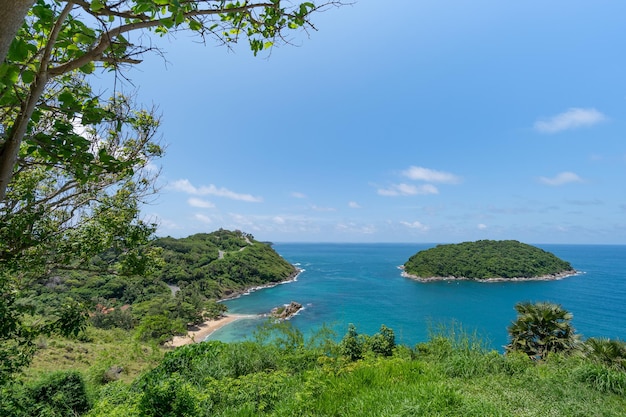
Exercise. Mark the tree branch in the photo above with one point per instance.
(106, 38)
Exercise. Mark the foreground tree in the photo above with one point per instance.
(54, 219)
(62, 37)
(540, 329)
(74, 167)
(12, 14)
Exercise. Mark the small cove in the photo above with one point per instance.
(361, 284)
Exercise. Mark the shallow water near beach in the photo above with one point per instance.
(361, 284)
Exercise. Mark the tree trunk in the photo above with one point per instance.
(12, 13)
(11, 146)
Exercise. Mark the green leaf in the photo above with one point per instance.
(28, 76)
(88, 68)
(96, 5)
(12, 74)
(167, 22)
(180, 18)
(195, 25)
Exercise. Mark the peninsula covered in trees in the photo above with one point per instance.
(188, 277)
(221, 264)
(486, 260)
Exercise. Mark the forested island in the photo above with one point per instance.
(486, 260)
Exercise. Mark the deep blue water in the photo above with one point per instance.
(361, 284)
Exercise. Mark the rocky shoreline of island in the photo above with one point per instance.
(548, 277)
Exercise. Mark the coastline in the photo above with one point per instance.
(291, 278)
(202, 331)
(549, 277)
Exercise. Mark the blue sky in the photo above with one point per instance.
(412, 121)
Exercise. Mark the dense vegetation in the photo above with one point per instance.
(485, 259)
(76, 165)
(221, 263)
(68, 194)
(282, 374)
(199, 270)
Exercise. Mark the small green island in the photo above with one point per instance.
(486, 260)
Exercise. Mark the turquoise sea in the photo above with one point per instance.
(361, 284)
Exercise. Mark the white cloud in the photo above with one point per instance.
(242, 219)
(408, 189)
(352, 227)
(481, 226)
(279, 220)
(323, 209)
(430, 175)
(161, 222)
(151, 167)
(354, 205)
(186, 187)
(561, 179)
(203, 218)
(296, 194)
(200, 203)
(79, 128)
(571, 119)
(416, 225)
(183, 186)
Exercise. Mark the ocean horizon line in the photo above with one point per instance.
(293, 242)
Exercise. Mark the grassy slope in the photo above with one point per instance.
(443, 377)
(92, 355)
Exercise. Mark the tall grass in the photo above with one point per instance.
(453, 374)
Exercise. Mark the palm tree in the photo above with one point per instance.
(607, 351)
(541, 328)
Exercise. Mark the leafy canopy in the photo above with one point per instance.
(485, 259)
(63, 38)
(74, 166)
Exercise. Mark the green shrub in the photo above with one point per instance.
(116, 399)
(114, 318)
(59, 394)
(171, 397)
(609, 352)
(602, 378)
(258, 392)
(160, 328)
(383, 342)
(351, 345)
(540, 329)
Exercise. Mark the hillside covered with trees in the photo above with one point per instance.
(485, 259)
(181, 287)
(220, 264)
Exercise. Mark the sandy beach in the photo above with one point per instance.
(200, 332)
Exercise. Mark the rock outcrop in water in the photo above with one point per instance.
(287, 311)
